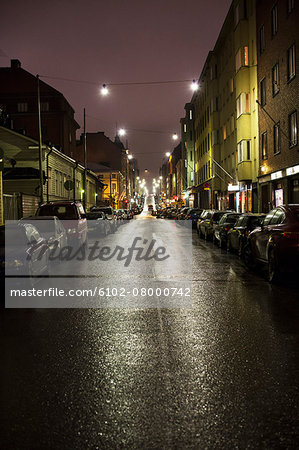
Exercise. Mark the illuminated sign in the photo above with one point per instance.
(276, 175)
(292, 170)
(233, 187)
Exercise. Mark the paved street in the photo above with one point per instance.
(222, 374)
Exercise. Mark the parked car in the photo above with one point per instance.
(238, 234)
(26, 252)
(226, 222)
(50, 228)
(150, 207)
(97, 223)
(275, 242)
(208, 223)
(109, 213)
(73, 218)
(193, 214)
(206, 214)
(181, 213)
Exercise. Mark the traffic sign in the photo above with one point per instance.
(206, 186)
(69, 185)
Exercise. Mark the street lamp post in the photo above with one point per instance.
(41, 180)
(85, 161)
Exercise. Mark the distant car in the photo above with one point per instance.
(50, 228)
(73, 218)
(154, 212)
(226, 222)
(26, 252)
(275, 242)
(181, 213)
(150, 207)
(238, 234)
(109, 213)
(97, 223)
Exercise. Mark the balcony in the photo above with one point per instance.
(245, 171)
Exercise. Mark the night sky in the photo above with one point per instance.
(114, 42)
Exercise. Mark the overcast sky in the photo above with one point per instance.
(113, 42)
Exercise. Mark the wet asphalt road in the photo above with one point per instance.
(220, 375)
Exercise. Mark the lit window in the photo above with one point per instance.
(274, 20)
(293, 129)
(264, 146)
(275, 79)
(185, 128)
(291, 62)
(276, 137)
(190, 114)
(224, 132)
(22, 107)
(242, 58)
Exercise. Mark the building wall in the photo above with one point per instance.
(274, 184)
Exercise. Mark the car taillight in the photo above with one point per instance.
(290, 235)
(226, 228)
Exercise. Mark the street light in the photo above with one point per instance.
(104, 90)
(130, 156)
(174, 136)
(194, 86)
(167, 154)
(121, 132)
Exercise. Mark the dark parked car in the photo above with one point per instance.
(181, 213)
(238, 234)
(226, 222)
(109, 213)
(276, 242)
(26, 252)
(208, 224)
(193, 214)
(206, 214)
(50, 228)
(73, 218)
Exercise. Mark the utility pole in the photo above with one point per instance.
(41, 180)
(85, 162)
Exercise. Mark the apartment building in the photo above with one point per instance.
(278, 44)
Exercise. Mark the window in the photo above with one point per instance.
(22, 107)
(290, 5)
(242, 58)
(293, 129)
(237, 14)
(243, 106)
(113, 187)
(276, 138)
(224, 132)
(275, 79)
(291, 62)
(264, 145)
(44, 106)
(262, 39)
(274, 20)
(263, 91)
(190, 114)
(185, 128)
(50, 180)
(243, 150)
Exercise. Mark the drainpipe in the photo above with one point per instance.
(48, 154)
(74, 180)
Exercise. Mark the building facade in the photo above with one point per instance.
(277, 35)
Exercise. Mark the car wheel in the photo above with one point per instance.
(273, 267)
(240, 248)
(228, 246)
(248, 257)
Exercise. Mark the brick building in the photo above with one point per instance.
(278, 43)
(18, 101)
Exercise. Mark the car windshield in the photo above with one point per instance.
(63, 212)
(231, 219)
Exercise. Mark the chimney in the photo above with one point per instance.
(15, 64)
